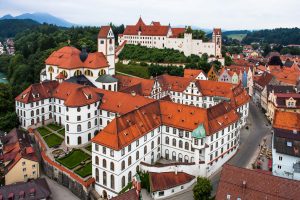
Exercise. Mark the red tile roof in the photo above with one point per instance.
(104, 30)
(286, 120)
(134, 84)
(69, 58)
(129, 195)
(192, 73)
(166, 180)
(177, 31)
(257, 185)
(217, 31)
(127, 128)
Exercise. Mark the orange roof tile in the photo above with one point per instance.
(104, 30)
(286, 120)
(193, 73)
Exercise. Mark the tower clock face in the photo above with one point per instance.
(111, 48)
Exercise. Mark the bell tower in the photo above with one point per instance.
(217, 39)
(106, 45)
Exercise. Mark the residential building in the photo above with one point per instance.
(282, 98)
(34, 189)
(239, 183)
(19, 158)
(195, 73)
(213, 74)
(286, 145)
(164, 36)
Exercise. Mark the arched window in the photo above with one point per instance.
(96, 122)
(167, 140)
(65, 73)
(186, 145)
(101, 72)
(43, 110)
(97, 160)
(79, 140)
(89, 136)
(145, 149)
(129, 177)
(89, 125)
(104, 178)
(50, 108)
(112, 181)
(123, 165)
(137, 155)
(167, 154)
(129, 160)
(174, 142)
(152, 145)
(174, 155)
(88, 73)
(180, 144)
(186, 159)
(109, 87)
(32, 113)
(104, 163)
(123, 181)
(97, 174)
(180, 157)
(78, 128)
(68, 140)
(77, 73)
(112, 166)
(37, 112)
(50, 69)
(158, 140)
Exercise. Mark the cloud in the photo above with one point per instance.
(227, 14)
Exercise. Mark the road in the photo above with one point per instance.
(259, 128)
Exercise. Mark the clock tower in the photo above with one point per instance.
(106, 45)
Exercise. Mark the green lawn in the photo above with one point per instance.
(85, 170)
(53, 140)
(135, 70)
(54, 127)
(73, 159)
(43, 131)
(61, 132)
(89, 148)
(237, 36)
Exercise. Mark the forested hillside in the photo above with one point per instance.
(10, 27)
(283, 36)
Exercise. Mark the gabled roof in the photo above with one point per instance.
(106, 78)
(129, 195)
(193, 73)
(104, 30)
(264, 79)
(284, 137)
(69, 58)
(166, 180)
(257, 185)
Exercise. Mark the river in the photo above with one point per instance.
(3, 78)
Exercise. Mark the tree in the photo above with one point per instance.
(228, 61)
(202, 189)
(275, 60)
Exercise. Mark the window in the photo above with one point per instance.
(180, 144)
(67, 127)
(129, 176)
(123, 165)
(95, 122)
(96, 147)
(167, 140)
(145, 138)
(104, 150)
(174, 142)
(78, 109)
(280, 157)
(158, 140)
(89, 124)
(196, 141)
(186, 145)
(123, 181)
(78, 128)
(180, 133)
(129, 160)
(112, 153)
(104, 163)
(97, 160)
(112, 166)
(137, 143)
(104, 178)
(79, 140)
(97, 174)
(279, 166)
(152, 145)
(167, 129)
(78, 118)
(187, 134)
(129, 148)
(137, 155)
(161, 193)
(152, 133)
(174, 131)
(145, 149)
(112, 181)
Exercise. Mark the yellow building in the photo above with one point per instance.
(19, 158)
(212, 74)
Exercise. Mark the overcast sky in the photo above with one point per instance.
(227, 14)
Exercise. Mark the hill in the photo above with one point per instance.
(282, 36)
(41, 18)
(10, 27)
